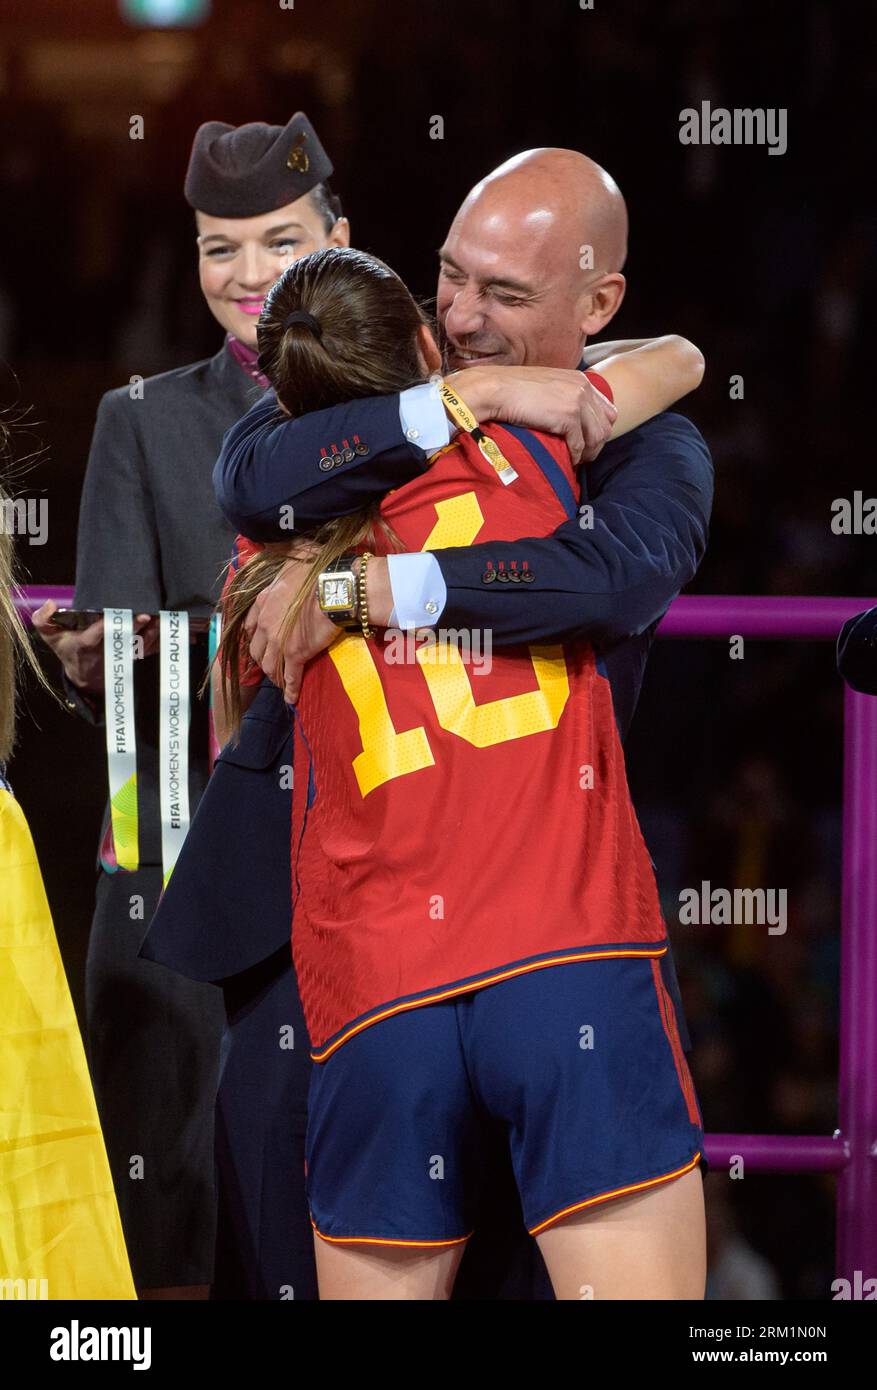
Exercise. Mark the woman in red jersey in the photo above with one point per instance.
(477, 932)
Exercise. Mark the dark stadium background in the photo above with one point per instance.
(765, 261)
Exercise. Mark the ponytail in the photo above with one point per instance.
(338, 325)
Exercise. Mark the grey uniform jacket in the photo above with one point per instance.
(151, 535)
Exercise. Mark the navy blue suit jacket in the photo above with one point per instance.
(226, 909)
(651, 492)
(231, 885)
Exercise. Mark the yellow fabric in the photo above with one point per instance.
(59, 1221)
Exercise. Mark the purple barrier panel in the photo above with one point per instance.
(779, 1153)
(857, 1092)
(747, 615)
(33, 597)
(852, 1151)
(816, 619)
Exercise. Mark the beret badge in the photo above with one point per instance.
(297, 159)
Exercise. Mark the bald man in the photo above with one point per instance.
(531, 268)
(528, 235)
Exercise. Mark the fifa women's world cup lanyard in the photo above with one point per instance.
(121, 738)
(462, 416)
(173, 735)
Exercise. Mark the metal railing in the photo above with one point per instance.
(851, 1151)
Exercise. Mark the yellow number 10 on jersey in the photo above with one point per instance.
(387, 753)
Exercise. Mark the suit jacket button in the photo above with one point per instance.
(503, 576)
(527, 577)
(488, 576)
(362, 448)
(349, 455)
(327, 462)
(337, 460)
(514, 576)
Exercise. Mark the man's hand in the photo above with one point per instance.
(554, 399)
(82, 653)
(313, 631)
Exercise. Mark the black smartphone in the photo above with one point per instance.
(75, 619)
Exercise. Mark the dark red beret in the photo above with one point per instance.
(243, 171)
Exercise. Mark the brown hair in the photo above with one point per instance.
(361, 340)
(15, 647)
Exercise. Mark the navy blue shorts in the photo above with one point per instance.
(581, 1063)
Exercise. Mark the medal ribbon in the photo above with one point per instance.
(173, 736)
(462, 416)
(121, 736)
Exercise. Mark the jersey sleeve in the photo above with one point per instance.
(249, 673)
(557, 446)
(601, 384)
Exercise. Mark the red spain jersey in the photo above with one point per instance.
(460, 814)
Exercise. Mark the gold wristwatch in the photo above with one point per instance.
(337, 594)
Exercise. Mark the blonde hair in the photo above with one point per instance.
(332, 540)
(15, 647)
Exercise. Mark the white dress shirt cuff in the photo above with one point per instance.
(418, 589)
(423, 418)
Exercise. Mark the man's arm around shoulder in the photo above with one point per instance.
(613, 570)
(326, 464)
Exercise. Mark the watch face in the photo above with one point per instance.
(337, 592)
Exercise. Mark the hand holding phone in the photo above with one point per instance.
(78, 641)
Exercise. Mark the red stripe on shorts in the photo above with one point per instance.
(668, 1019)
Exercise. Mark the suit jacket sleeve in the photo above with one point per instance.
(117, 550)
(857, 652)
(270, 463)
(89, 707)
(651, 493)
